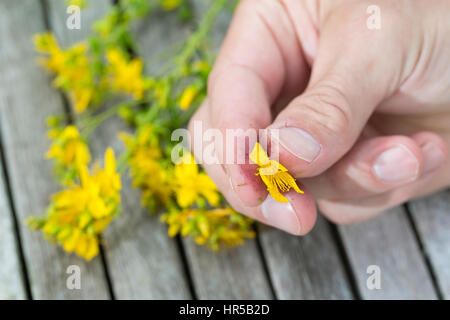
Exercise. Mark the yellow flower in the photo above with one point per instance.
(146, 170)
(201, 66)
(190, 184)
(45, 42)
(78, 214)
(81, 97)
(78, 3)
(84, 245)
(72, 69)
(273, 174)
(69, 151)
(187, 97)
(170, 4)
(210, 227)
(126, 75)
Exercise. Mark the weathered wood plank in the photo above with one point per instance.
(143, 262)
(306, 267)
(26, 99)
(432, 218)
(237, 273)
(388, 242)
(11, 281)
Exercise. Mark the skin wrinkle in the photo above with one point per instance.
(291, 22)
(428, 52)
(311, 26)
(274, 39)
(279, 103)
(232, 64)
(340, 121)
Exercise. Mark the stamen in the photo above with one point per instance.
(282, 181)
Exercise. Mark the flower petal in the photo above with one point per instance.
(259, 155)
(276, 195)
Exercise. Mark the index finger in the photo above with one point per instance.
(259, 58)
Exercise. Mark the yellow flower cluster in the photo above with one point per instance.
(125, 75)
(102, 68)
(146, 168)
(77, 215)
(159, 180)
(210, 227)
(75, 72)
(182, 189)
(72, 69)
(69, 151)
(190, 184)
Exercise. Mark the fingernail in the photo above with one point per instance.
(433, 157)
(397, 164)
(300, 143)
(281, 215)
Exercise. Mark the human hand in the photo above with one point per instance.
(363, 115)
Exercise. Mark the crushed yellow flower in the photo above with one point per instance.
(187, 97)
(190, 184)
(273, 174)
(77, 215)
(126, 75)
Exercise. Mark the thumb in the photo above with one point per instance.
(354, 70)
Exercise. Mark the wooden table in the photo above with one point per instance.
(410, 244)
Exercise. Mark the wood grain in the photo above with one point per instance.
(306, 267)
(26, 99)
(388, 242)
(143, 261)
(11, 283)
(432, 218)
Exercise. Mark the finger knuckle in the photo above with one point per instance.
(330, 108)
(334, 213)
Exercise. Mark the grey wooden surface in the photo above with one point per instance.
(432, 217)
(306, 267)
(388, 242)
(26, 100)
(139, 260)
(11, 277)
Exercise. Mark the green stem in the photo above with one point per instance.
(122, 161)
(94, 121)
(196, 39)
